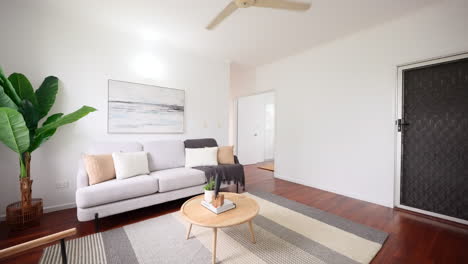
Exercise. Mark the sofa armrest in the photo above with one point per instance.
(236, 159)
(81, 177)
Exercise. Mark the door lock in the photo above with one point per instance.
(400, 123)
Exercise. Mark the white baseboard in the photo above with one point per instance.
(49, 209)
(351, 195)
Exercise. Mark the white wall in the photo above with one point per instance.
(335, 103)
(37, 43)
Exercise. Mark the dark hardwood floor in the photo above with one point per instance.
(413, 238)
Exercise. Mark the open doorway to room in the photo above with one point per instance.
(256, 129)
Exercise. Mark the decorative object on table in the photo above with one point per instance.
(227, 205)
(141, 108)
(218, 200)
(209, 190)
(21, 109)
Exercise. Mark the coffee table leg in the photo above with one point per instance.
(215, 233)
(252, 235)
(188, 231)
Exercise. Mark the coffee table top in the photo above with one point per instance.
(195, 213)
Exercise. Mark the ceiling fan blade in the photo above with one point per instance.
(282, 4)
(229, 9)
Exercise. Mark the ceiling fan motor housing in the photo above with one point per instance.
(244, 3)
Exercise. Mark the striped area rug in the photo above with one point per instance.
(286, 232)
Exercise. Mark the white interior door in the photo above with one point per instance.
(269, 126)
(251, 129)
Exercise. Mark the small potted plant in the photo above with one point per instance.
(209, 190)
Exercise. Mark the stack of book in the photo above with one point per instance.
(228, 205)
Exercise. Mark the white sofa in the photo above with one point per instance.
(168, 180)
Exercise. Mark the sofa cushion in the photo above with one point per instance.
(100, 168)
(109, 147)
(178, 178)
(195, 157)
(165, 154)
(226, 155)
(115, 190)
(130, 164)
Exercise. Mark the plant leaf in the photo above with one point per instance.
(40, 139)
(23, 87)
(30, 114)
(9, 89)
(13, 131)
(46, 95)
(5, 100)
(67, 119)
(52, 118)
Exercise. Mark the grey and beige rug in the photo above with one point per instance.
(286, 232)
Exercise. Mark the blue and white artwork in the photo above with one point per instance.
(141, 108)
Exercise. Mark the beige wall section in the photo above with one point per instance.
(242, 83)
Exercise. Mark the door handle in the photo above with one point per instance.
(400, 123)
(255, 134)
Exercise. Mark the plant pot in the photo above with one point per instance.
(19, 217)
(209, 195)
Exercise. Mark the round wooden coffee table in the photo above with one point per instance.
(246, 209)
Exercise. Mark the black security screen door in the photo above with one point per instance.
(434, 162)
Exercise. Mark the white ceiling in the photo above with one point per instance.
(252, 36)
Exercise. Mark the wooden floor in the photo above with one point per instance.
(413, 238)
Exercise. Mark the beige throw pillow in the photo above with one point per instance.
(226, 155)
(100, 168)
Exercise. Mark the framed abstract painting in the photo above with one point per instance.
(142, 108)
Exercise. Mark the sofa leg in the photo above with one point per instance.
(237, 187)
(96, 222)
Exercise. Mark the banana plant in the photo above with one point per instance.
(22, 110)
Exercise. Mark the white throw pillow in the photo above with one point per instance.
(201, 157)
(129, 164)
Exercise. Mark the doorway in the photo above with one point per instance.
(256, 128)
(432, 138)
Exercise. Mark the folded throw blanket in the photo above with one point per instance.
(223, 173)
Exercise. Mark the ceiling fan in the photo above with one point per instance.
(276, 4)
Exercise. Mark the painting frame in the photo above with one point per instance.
(109, 111)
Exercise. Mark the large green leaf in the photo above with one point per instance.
(13, 131)
(9, 89)
(67, 119)
(40, 139)
(30, 114)
(23, 87)
(5, 100)
(46, 95)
